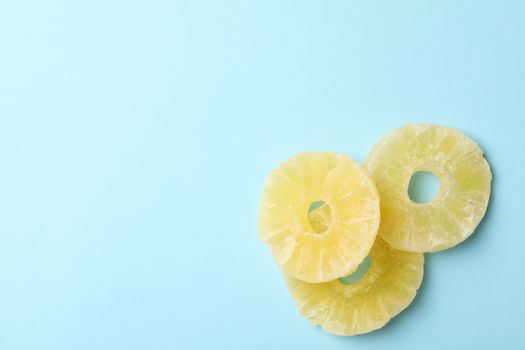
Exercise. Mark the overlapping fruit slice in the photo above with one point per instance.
(461, 202)
(388, 287)
(322, 251)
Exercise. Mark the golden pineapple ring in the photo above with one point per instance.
(388, 287)
(329, 250)
(463, 196)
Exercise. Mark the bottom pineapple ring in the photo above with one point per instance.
(388, 287)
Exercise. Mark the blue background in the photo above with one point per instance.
(136, 137)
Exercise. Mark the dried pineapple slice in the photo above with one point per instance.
(461, 202)
(324, 251)
(386, 289)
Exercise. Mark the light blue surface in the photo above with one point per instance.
(135, 139)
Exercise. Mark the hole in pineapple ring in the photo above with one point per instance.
(358, 274)
(423, 187)
(319, 216)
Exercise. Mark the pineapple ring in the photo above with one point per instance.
(302, 249)
(387, 288)
(464, 192)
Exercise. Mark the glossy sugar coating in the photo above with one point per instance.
(387, 288)
(284, 223)
(461, 202)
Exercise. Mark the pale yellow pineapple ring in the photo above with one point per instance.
(463, 196)
(284, 223)
(387, 288)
